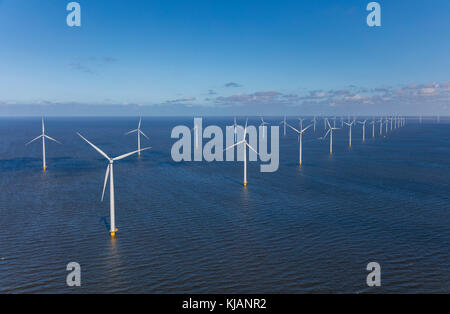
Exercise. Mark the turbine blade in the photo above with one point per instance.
(239, 143)
(106, 180)
(129, 154)
(95, 147)
(251, 148)
(293, 128)
(245, 130)
(326, 134)
(306, 128)
(34, 139)
(144, 134)
(139, 125)
(52, 139)
(132, 131)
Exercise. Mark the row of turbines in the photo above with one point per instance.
(391, 123)
(395, 122)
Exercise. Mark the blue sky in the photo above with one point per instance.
(224, 57)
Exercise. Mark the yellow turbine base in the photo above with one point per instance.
(300, 163)
(45, 168)
(113, 233)
(245, 183)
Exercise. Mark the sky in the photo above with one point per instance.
(224, 57)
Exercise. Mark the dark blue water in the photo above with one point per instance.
(192, 227)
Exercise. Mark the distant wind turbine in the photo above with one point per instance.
(300, 140)
(330, 131)
(373, 128)
(245, 143)
(139, 132)
(350, 132)
(363, 123)
(44, 136)
(284, 124)
(235, 131)
(263, 124)
(110, 173)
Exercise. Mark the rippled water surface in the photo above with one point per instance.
(192, 228)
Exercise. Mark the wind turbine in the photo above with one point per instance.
(330, 131)
(381, 126)
(364, 129)
(263, 123)
(314, 123)
(110, 173)
(350, 132)
(284, 124)
(387, 122)
(139, 132)
(373, 128)
(244, 141)
(235, 130)
(44, 136)
(300, 140)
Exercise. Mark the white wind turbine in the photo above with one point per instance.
(235, 131)
(284, 124)
(330, 131)
(381, 126)
(44, 136)
(110, 173)
(364, 129)
(263, 124)
(196, 135)
(300, 140)
(373, 128)
(314, 123)
(350, 132)
(245, 143)
(139, 132)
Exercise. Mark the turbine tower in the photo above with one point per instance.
(44, 136)
(110, 173)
